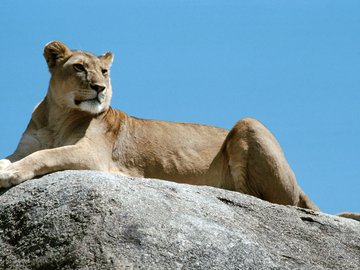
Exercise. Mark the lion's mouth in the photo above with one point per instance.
(96, 99)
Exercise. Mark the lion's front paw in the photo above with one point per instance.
(4, 163)
(13, 175)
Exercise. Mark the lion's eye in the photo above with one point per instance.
(104, 71)
(79, 67)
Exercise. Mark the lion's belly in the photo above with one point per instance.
(185, 160)
(183, 166)
(178, 152)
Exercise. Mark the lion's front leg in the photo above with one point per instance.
(4, 163)
(14, 174)
(74, 157)
(27, 145)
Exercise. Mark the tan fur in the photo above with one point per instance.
(355, 216)
(71, 129)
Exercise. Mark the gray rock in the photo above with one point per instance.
(94, 220)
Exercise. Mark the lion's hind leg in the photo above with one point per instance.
(258, 166)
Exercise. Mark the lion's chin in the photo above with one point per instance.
(93, 106)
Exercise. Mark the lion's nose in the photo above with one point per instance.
(97, 87)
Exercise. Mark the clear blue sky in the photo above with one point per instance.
(294, 65)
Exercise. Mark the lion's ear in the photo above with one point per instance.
(107, 59)
(55, 52)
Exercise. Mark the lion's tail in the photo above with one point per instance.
(355, 216)
(305, 202)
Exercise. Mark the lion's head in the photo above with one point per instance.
(79, 80)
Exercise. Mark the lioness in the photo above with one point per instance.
(74, 127)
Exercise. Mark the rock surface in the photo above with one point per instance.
(94, 220)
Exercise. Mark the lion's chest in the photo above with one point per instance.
(48, 138)
(53, 136)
